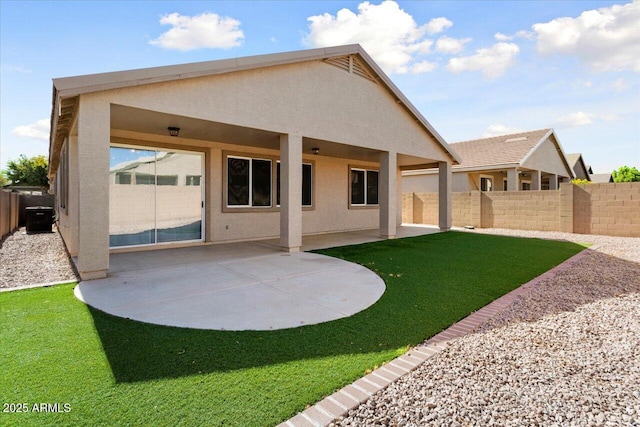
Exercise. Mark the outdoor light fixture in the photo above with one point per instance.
(315, 150)
(173, 131)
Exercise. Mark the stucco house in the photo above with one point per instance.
(580, 169)
(522, 161)
(271, 146)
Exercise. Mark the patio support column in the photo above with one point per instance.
(512, 179)
(553, 182)
(387, 193)
(291, 192)
(535, 180)
(93, 189)
(444, 195)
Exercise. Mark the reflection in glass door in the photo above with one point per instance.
(154, 196)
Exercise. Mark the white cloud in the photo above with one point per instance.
(423, 67)
(37, 130)
(438, 25)
(497, 130)
(606, 39)
(388, 33)
(576, 119)
(207, 30)
(493, 61)
(519, 35)
(450, 45)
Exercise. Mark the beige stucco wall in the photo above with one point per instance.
(344, 108)
(547, 159)
(427, 183)
(68, 218)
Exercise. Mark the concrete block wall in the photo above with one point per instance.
(407, 208)
(522, 210)
(605, 209)
(425, 208)
(466, 209)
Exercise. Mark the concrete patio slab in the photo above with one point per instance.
(254, 288)
(240, 286)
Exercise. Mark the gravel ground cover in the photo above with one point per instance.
(32, 259)
(567, 353)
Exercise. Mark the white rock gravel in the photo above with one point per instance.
(31, 259)
(566, 354)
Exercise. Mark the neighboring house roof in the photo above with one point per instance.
(504, 151)
(577, 162)
(601, 178)
(66, 90)
(499, 150)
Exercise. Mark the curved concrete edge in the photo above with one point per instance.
(263, 293)
(351, 396)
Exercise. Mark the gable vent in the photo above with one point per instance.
(352, 65)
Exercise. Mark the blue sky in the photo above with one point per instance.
(473, 68)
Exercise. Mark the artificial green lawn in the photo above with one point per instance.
(113, 371)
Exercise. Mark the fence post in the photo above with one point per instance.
(566, 207)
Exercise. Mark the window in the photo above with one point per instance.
(157, 210)
(364, 187)
(193, 180)
(167, 179)
(505, 185)
(145, 178)
(248, 182)
(307, 188)
(526, 185)
(123, 178)
(485, 184)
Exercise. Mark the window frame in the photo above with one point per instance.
(490, 179)
(133, 144)
(275, 159)
(313, 187)
(250, 181)
(366, 204)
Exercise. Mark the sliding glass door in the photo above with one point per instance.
(155, 196)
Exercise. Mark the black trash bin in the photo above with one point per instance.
(39, 219)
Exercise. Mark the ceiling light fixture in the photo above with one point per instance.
(315, 150)
(173, 131)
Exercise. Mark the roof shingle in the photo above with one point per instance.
(497, 150)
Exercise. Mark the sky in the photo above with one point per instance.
(472, 68)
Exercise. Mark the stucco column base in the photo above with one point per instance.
(90, 275)
(292, 250)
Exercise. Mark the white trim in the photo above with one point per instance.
(366, 179)
(250, 205)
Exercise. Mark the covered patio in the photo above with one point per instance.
(240, 286)
(275, 146)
